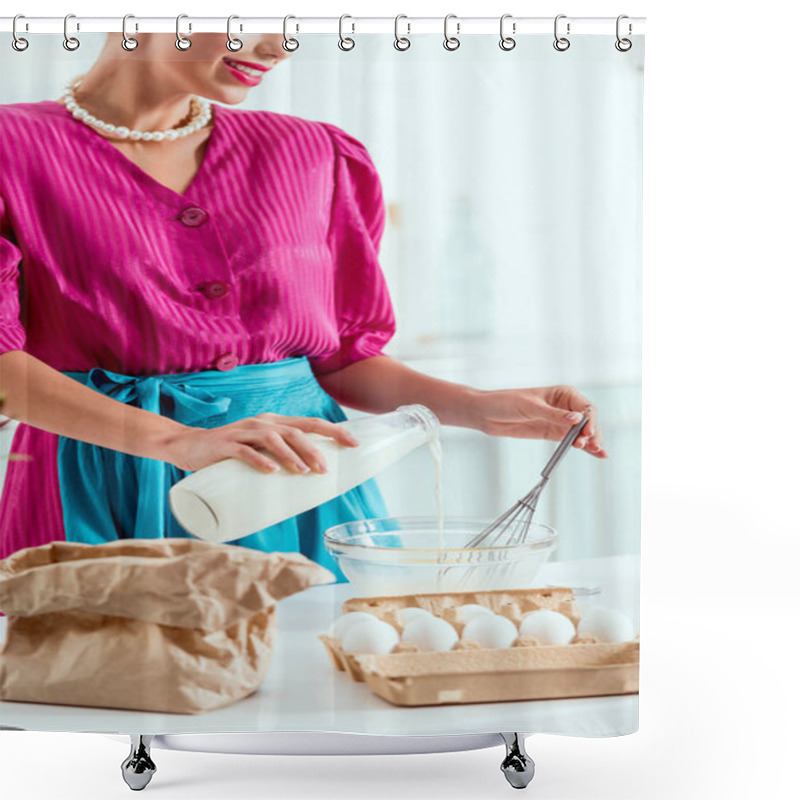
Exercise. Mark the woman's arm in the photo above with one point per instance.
(381, 384)
(43, 397)
(37, 394)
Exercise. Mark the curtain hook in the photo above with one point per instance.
(623, 45)
(290, 44)
(401, 43)
(346, 43)
(233, 44)
(451, 42)
(18, 43)
(182, 42)
(70, 42)
(507, 42)
(561, 43)
(128, 42)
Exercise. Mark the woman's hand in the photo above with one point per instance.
(265, 442)
(545, 413)
(381, 383)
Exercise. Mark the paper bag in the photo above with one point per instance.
(167, 625)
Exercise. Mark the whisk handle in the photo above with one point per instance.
(565, 445)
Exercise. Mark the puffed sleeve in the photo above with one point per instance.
(364, 314)
(12, 334)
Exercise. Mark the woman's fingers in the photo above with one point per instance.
(562, 418)
(590, 439)
(565, 407)
(323, 427)
(285, 438)
(559, 420)
(305, 449)
(273, 443)
(252, 457)
(594, 446)
(594, 443)
(587, 431)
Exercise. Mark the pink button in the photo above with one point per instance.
(226, 362)
(214, 290)
(193, 217)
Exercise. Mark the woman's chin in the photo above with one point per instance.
(229, 96)
(229, 93)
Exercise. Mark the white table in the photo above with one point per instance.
(318, 698)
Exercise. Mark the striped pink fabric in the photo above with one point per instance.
(271, 252)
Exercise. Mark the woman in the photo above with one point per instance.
(171, 300)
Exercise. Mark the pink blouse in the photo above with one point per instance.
(271, 252)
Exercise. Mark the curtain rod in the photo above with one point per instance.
(407, 26)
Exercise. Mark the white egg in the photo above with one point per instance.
(607, 625)
(342, 624)
(367, 637)
(431, 634)
(547, 627)
(411, 613)
(491, 631)
(469, 611)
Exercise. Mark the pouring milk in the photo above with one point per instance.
(230, 499)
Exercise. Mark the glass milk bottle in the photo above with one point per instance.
(230, 499)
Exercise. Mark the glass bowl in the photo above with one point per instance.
(407, 555)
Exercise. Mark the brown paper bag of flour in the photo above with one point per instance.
(168, 625)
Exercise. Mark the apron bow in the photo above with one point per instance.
(166, 396)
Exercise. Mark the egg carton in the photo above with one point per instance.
(512, 603)
(472, 674)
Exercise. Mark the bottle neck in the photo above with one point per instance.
(424, 417)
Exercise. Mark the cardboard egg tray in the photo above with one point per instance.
(472, 674)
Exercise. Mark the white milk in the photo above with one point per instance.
(435, 449)
(230, 499)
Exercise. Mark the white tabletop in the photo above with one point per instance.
(315, 697)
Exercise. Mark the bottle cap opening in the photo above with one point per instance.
(424, 416)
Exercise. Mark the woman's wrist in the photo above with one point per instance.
(461, 408)
(161, 439)
(380, 383)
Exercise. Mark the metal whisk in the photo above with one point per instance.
(512, 527)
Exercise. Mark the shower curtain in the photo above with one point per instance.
(485, 205)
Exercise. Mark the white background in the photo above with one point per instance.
(719, 694)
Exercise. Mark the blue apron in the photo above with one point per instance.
(107, 495)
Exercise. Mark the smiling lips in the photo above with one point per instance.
(245, 71)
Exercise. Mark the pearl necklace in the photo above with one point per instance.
(200, 118)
